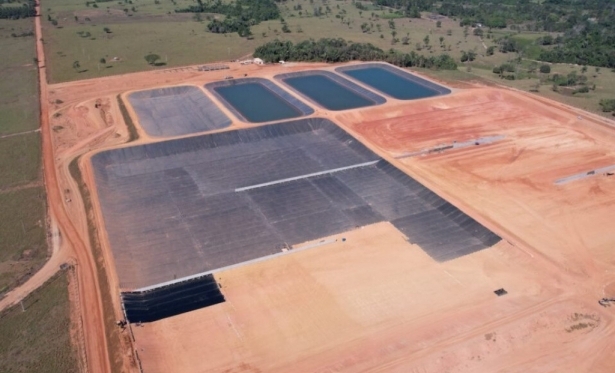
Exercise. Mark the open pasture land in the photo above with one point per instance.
(23, 247)
(153, 28)
(20, 160)
(173, 41)
(181, 40)
(18, 86)
(38, 340)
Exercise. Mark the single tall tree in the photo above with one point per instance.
(152, 58)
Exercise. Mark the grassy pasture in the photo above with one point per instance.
(180, 40)
(20, 160)
(18, 86)
(178, 44)
(38, 339)
(23, 247)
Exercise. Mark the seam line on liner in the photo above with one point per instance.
(331, 171)
(232, 266)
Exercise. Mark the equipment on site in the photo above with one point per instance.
(606, 302)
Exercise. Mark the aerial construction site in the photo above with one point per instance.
(332, 218)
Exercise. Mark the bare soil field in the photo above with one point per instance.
(512, 181)
(375, 302)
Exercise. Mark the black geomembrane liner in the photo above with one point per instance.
(171, 300)
(173, 209)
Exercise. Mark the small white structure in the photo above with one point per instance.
(256, 61)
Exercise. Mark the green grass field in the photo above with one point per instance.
(153, 28)
(38, 339)
(18, 86)
(180, 40)
(23, 246)
(20, 160)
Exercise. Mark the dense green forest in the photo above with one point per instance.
(587, 26)
(338, 50)
(16, 11)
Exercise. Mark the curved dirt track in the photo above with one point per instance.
(96, 345)
(58, 257)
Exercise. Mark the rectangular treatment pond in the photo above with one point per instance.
(176, 111)
(258, 100)
(392, 81)
(330, 90)
(182, 207)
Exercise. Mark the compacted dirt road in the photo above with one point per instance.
(90, 300)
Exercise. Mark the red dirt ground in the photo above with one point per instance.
(376, 302)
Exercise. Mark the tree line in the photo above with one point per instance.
(339, 50)
(17, 12)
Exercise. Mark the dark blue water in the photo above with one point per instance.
(257, 103)
(327, 92)
(391, 84)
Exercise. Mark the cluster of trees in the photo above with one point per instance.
(339, 50)
(608, 105)
(508, 44)
(575, 83)
(568, 80)
(509, 70)
(152, 59)
(548, 15)
(239, 26)
(468, 56)
(240, 15)
(17, 12)
(505, 71)
(590, 43)
(587, 26)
